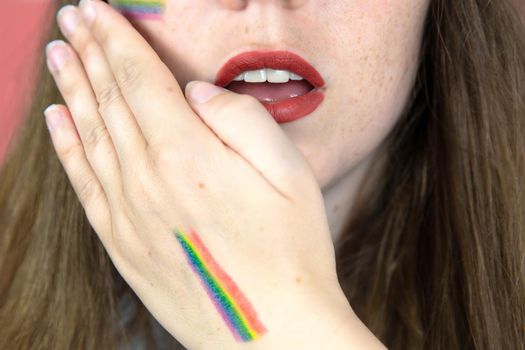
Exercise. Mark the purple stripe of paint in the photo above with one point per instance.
(216, 302)
(219, 308)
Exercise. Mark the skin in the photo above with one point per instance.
(379, 41)
(144, 157)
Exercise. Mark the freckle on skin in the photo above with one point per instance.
(170, 89)
(201, 185)
(298, 279)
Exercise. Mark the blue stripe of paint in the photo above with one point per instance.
(139, 8)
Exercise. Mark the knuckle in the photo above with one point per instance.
(109, 93)
(69, 155)
(88, 192)
(96, 135)
(130, 73)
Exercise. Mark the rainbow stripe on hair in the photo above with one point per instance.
(235, 309)
(140, 9)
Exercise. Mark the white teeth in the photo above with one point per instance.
(294, 76)
(267, 74)
(277, 76)
(255, 76)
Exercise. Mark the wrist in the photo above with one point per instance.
(323, 322)
(339, 328)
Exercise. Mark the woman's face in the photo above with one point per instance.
(366, 51)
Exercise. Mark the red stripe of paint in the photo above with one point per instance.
(234, 291)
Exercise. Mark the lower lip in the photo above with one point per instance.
(294, 108)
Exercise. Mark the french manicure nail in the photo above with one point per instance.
(53, 117)
(58, 55)
(68, 19)
(88, 11)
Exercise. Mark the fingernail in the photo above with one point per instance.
(202, 92)
(88, 11)
(67, 17)
(53, 117)
(57, 54)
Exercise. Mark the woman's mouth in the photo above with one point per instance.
(287, 86)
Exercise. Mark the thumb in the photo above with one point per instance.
(244, 125)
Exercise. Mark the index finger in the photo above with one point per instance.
(148, 86)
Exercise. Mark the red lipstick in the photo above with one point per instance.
(284, 110)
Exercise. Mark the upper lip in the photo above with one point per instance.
(278, 59)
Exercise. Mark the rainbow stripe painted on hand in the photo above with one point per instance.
(140, 9)
(235, 309)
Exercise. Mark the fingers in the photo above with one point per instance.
(70, 151)
(243, 124)
(141, 76)
(114, 111)
(74, 87)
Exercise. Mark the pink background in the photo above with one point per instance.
(21, 24)
(20, 29)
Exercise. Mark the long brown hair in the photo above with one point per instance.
(432, 258)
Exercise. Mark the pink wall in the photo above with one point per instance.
(21, 23)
